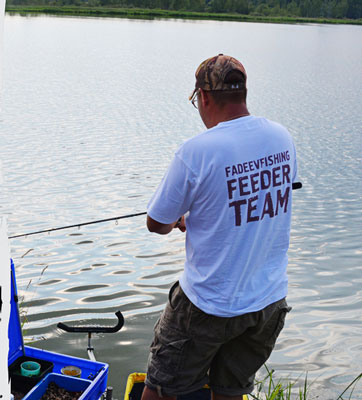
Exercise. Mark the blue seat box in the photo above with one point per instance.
(93, 379)
(66, 382)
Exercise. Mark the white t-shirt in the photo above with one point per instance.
(235, 180)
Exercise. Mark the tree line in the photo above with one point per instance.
(294, 8)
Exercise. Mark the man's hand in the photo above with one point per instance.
(164, 229)
(180, 224)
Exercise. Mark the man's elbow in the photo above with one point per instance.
(156, 227)
(152, 228)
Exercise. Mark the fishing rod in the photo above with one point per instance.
(295, 185)
(78, 225)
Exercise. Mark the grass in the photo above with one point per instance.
(350, 387)
(23, 310)
(158, 13)
(270, 388)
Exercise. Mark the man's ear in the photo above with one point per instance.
(205, 97)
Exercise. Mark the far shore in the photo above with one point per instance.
(138, 13)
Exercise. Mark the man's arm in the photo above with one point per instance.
(164, 229)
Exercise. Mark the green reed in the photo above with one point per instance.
(270, 388)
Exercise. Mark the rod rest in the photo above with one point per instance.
(94, 329)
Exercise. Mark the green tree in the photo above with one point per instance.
(293, 9)
(354, 9)
(241, 6)
(217, 6)
(197, 5)
(311, 8)
(180, 5)
(262, 9)
(340, 9)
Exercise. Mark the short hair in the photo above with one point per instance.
(223, 97)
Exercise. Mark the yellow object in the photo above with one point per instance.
(137, 377)
(132, 379)
(71, 371)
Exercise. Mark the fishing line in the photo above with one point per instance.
(295, 185)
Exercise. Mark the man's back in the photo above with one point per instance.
(238, 176)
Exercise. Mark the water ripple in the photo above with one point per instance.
(76, 150)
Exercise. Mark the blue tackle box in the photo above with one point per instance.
(91, 384)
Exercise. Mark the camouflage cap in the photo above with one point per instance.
(211, 74)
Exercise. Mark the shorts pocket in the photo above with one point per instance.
(168, 350)
(173, 295)
(276, 323)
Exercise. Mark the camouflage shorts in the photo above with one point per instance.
(191, 348)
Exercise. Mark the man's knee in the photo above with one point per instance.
(149, 394)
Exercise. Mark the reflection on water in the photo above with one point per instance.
(92, 112)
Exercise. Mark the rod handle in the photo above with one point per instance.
(297, 185)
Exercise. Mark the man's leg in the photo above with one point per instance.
(233, 368)
(216, 396)
(149, 394)
(182, 349)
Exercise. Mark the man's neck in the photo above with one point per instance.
(228, 113)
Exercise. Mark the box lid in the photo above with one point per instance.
(16, 343)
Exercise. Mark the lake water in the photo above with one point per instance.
(92, 111)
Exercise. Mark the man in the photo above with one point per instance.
(235, 182)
